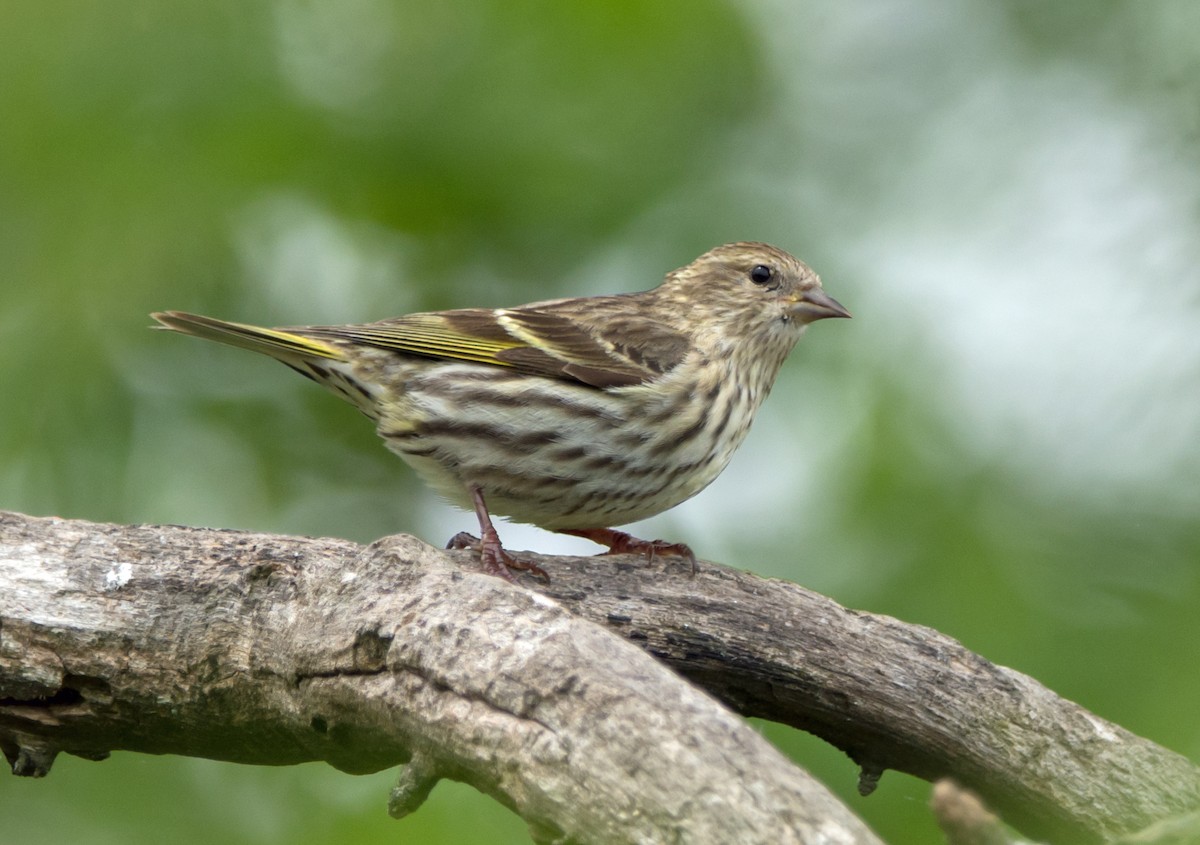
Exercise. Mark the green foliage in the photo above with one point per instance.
(1003, 444)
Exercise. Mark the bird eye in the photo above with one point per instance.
(760, 274)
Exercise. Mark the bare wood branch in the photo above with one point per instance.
(963, 818)
(1177, 830)
(890, 694)
(265, 649)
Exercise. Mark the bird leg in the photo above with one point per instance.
(495, 560)
(620, 543)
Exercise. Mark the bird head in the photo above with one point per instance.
(752, 288)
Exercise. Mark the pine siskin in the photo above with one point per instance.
(572, 414)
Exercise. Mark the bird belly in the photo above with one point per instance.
(560, 455)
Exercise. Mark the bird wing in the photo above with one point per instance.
(534, 340)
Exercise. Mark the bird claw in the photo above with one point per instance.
(463, 540)
(496, 561)
(620, 543)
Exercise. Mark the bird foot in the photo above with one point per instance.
(620, 543)
(496, 561)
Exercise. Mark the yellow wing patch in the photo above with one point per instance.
(277, 343)
(431, 334)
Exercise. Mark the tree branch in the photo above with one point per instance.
(890, 694)
(265, 649)
(328, 630)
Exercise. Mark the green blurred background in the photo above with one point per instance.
(1004, 444)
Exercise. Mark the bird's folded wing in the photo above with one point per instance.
(530, 340)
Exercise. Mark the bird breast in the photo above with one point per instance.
(561, 455)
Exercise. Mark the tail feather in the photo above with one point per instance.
(277, 343)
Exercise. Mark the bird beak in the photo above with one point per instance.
(815, 304)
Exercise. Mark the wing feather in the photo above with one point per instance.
(538, 340)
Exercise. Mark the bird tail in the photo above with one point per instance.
(278, 343)
(325, 363)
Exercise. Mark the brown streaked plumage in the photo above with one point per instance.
(572, 414)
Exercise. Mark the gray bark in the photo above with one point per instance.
(890, 694)
(276, 650)
(269, 649)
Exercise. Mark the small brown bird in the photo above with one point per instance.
(572, 414)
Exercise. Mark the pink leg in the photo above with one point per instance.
(620, 543)
(495, 560)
